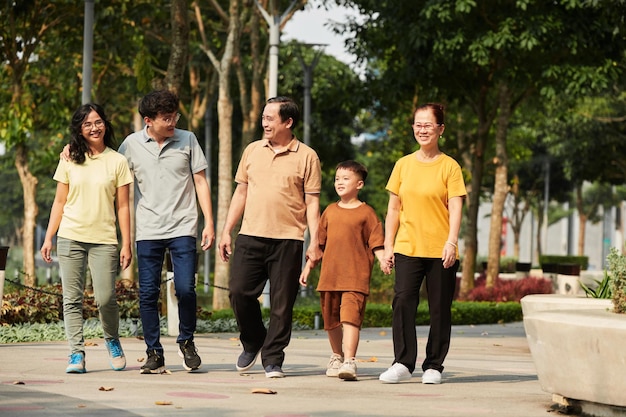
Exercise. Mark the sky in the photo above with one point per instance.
(308, 26)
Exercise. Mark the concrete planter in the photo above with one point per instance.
(577, 345)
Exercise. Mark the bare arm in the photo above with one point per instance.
(312, 201)
(56, 213)
(203, 191)
(123, 218)
(235, 211)
(392, 222)
(455, 211)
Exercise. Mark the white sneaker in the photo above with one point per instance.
(431, 376)
(348, 370)
(334, 364)
(397, 373)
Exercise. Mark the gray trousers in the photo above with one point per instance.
(103, 264)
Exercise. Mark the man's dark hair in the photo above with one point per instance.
(288, 109)
(158, 102)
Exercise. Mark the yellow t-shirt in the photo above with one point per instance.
(89, 212)
(424, 189)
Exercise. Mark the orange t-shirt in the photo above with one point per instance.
(349, 237)
(277, 182)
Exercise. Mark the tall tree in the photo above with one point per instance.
(490, 56)
(24, 29)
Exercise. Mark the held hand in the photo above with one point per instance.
(65, 153)
(224, 247)
(208, 238)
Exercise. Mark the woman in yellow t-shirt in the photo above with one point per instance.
(426, 192)
(92, 192)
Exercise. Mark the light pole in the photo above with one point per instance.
(87, 50)
(274, 21)
(307, 69)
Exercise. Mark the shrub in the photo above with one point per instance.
(583, 261)
(509, 290)
(617, 267)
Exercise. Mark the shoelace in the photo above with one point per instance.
(116, 348)
(76, 358)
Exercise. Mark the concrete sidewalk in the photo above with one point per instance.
(489, 371)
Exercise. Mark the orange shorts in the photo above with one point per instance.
(342, 307)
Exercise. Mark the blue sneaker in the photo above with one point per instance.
(76, 364)
(117, 360)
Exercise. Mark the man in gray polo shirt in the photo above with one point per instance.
(169, 168)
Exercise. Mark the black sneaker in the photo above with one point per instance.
(187, 350)
(155, 363)
(246, 360)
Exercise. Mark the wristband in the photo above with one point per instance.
(451, 243)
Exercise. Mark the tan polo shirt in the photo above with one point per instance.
(277, 183)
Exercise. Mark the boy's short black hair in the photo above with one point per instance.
(354, 166)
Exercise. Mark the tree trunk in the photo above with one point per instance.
(225, 138)
(501, 187)
(476, 164)
(29, 185)
(180, 46)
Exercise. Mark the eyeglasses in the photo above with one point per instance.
(98, 124)
(170, 119)
(426, 126)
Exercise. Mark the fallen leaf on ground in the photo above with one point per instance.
(141, 359)
(106, 388)
(90, 344)
(263, 391)
(372, 359)
(163, 402)
(382, 333)
(19, 383)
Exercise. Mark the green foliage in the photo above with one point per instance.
(617, 267)
(603, 288)
(583, 261)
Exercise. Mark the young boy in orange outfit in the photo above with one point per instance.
(350, 235)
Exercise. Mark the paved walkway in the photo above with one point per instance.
(489, 371)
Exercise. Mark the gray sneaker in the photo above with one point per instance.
(274, 371)
(246, 360)
(335, 362)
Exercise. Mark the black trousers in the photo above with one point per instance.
(254, 261)
(440, 286)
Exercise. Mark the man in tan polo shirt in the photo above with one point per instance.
(278, 188)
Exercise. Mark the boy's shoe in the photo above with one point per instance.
(76, 363)
(187, 350)
(155, 363)
(246, 360)
(431, 376)
(117, 360)
(397, 373)
(274, 371)
(348, 370)
(335, 362)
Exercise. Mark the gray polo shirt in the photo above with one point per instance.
(165, 195)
